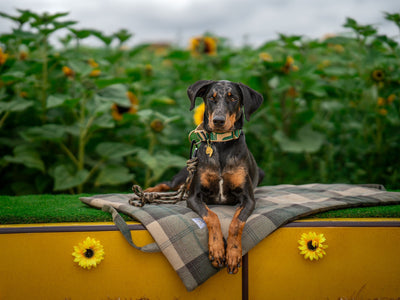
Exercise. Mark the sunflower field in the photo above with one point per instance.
(79, 119)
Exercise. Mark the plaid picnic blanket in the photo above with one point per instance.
(182, 235)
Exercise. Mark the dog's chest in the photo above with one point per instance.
(222, 177)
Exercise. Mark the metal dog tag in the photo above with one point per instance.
(209, 151)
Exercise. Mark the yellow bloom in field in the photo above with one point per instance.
(199, 114)
(378, 75)
(68, 71)
(265, 56)
(3, 57)
(289, 65)
(203, 45)
(92, 63)
(89, 253)
(391, 98)
(23, 55)
(336, 47)
(95, 73)
(312, 245)
(117, 111)
(381, 101)
(157, 125)
(383, 111)
(325, 63)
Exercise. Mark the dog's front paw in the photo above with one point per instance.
(233, 258)
(216, 253)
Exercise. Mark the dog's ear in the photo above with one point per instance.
(251, 100)
(197, 89)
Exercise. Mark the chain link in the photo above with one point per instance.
(140, 198)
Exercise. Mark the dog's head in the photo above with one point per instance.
(224, 103)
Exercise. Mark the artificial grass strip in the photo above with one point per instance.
(33, 209)
(382, 211)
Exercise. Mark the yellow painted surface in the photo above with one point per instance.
(40, 266)
(361, 263)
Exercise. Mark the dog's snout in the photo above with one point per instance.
(219, 120)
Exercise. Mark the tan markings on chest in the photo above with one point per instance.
(220, 184)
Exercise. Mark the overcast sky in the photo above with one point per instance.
(254, 21)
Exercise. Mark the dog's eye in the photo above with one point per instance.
(211, 99)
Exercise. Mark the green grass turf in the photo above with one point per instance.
(48, 209)
(68, 208)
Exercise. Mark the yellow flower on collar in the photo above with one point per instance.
(312, 245)
(89, 253)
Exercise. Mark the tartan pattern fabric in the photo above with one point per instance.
(182, 235)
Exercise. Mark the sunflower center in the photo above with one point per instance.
(122, 109)
(311, 247)
(89, 253)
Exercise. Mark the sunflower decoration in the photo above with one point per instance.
(312, 245)
(203, 45)
(117, 111)
(199, 114)
(89, 253)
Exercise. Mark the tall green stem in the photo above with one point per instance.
(44, 77)
(82, 139)
(152, 144)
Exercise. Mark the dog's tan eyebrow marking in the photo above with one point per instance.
(229, 94)
(215, 94)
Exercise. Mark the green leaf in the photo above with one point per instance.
(52, 132)
(80, 67)
(26, 156)
(307, 140)
(160, 162)
(113, 175)
(65, 178)
(104, 121)
(18, 104)
(104, 82)
(115, 93)
(83, 33)
(56, 100)
(331, 106)
(12, 76)
(115, 150)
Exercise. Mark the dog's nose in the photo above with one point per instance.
(219, 120)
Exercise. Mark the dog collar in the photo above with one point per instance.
(199, 134)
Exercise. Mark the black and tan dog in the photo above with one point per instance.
(227, 172)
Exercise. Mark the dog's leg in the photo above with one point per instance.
(234, 243)
(216, 246)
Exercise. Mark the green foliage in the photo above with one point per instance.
(78, 119)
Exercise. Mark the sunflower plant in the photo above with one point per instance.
(82, 119)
